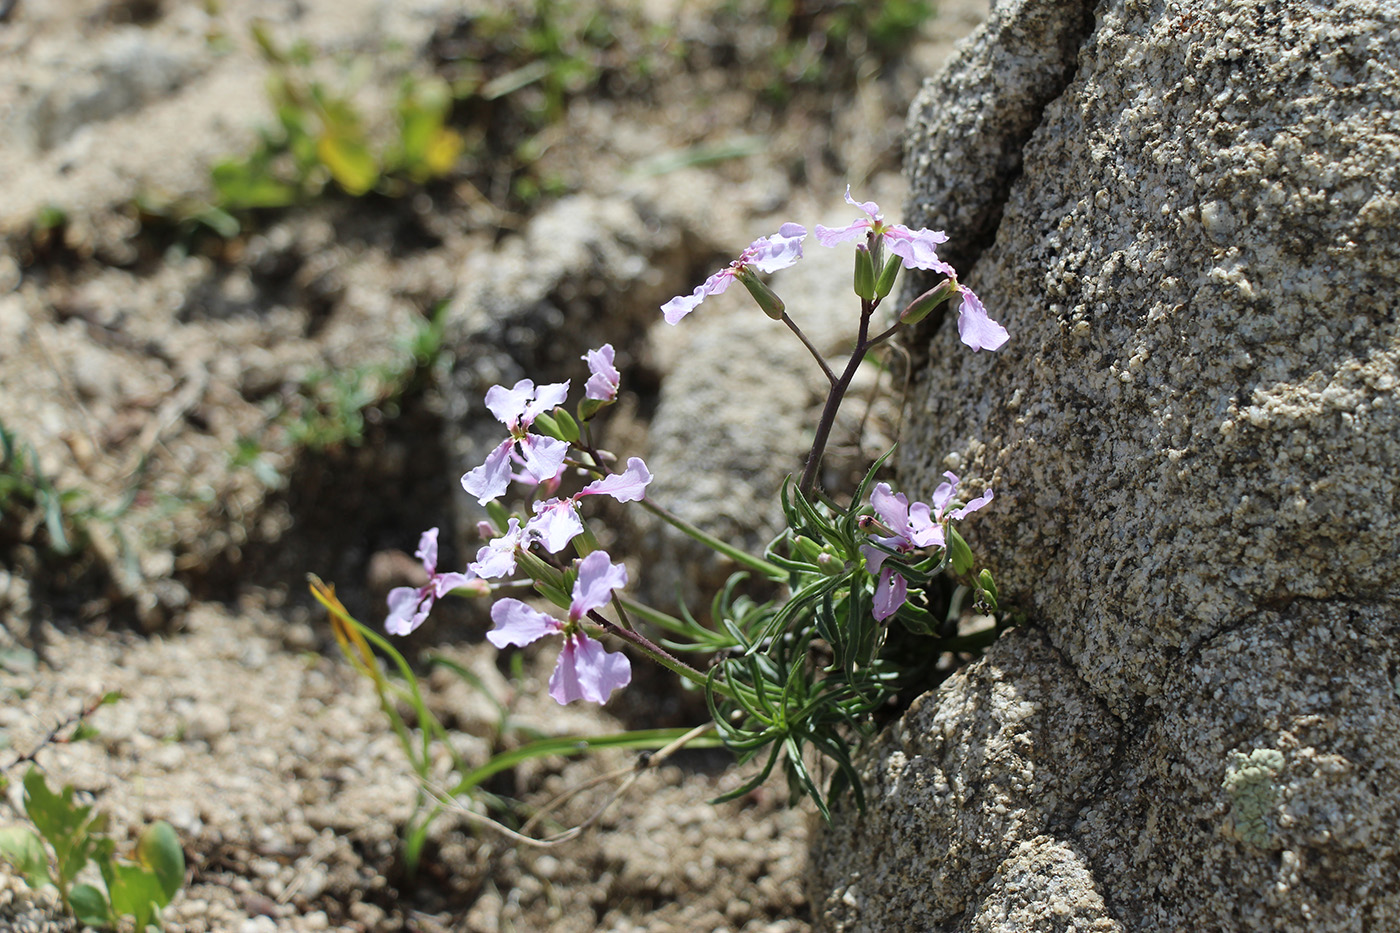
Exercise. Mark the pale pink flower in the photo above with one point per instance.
(911, 527)
(585, 671)
(409, 605)
(556, 521)
(975, 329)
(917, 248)
(766, 254)
(542, 457)
(602, 384)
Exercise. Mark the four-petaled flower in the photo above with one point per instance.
(541, 457)
(585, 670)
(496, 558)
(766, 254)
(918, 248)
(556, 523)
(410, 605)
(910, 526)
(602, 384)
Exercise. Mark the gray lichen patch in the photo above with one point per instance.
(1251, 784)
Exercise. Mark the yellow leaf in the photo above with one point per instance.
(350, 162)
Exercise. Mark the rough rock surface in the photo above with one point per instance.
(1193, 438)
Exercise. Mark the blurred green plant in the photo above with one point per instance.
(323, 136)
(25, 490)
(830, 41)
(66, 837)
(30, 500)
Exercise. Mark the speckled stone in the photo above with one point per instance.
(1195, 442)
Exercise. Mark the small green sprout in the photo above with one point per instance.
(70, 836)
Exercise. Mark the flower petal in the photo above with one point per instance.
(428, 550)
(555, 524)
(834, 236)
(602, 384)
(445, 583)
(491, 479)
(597, 578)
(543, 456)
(546, 397)
(771, 253)
(870, 207)
(509, 404)
(628, 486)
(945, 492)
(497, 557)
(874, 557)
(923, 531)
(518, 624)
(890, 594)
(974, 505)
(891, 507)
(585, 671)
(974, 327)
(408, 607)
(918, 248)
(681, 305)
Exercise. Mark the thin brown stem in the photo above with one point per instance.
(834, 399)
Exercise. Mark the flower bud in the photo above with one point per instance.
(546, 425)
(485, 530)
(865, 273)
(988, 586)
(807, 548)
(473, 587)
(771, 304)
(885, 283)
(919, 308)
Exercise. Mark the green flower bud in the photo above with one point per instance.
(568, 427)
(959, 554)
(885, 283)
(919, 308)
(546, 425)
(807, 548)
(771, 304)
(865, 273)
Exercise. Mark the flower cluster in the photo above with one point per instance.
(544, 443)
(908, 528)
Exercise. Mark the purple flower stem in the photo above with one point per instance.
(836, 395)
(652, 650)
(792, 326)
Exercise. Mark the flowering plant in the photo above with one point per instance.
(869, 585)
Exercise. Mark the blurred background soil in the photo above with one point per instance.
(231, 236)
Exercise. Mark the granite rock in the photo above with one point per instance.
(1193, 435)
